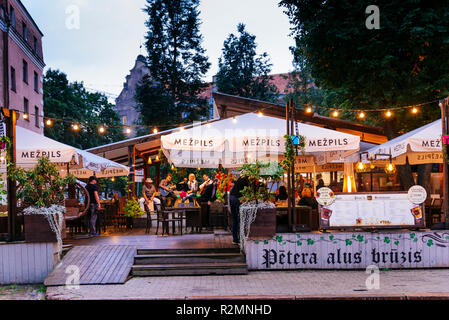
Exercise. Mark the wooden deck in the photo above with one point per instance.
(108, 259)
(102, 264)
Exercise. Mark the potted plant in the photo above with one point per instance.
(257, 211)
(40, 191)
(132, 210)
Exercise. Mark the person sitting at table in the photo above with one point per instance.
(166, 187)
(182, 186)
(149, 194)
(192, 188)
(307, 199)
(282, 195)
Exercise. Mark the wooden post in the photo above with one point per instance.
(158, 175)
(132, 174)
(289, 187)
(444, 104)
(292, 132)
(10, 117)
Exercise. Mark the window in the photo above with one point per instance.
(25, 71)
(36, 117)
(26, 110)
(25, 31)
(12, 15)
(36, 46)
(36, 82)
(13, 79)
(124, 120)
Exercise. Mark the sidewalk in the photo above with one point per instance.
(394, 284)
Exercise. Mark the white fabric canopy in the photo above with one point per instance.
(31, 146)
(422, 145)
(234, 141)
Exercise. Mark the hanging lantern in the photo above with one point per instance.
(360, 167)
(150, 161)
(173, 167)
(390, 168)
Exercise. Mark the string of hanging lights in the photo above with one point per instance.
(362, 114)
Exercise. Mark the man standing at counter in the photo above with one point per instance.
(234, 200)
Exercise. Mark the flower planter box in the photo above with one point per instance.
(37, 229)
(264, 225)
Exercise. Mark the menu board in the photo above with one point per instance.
(372, 210)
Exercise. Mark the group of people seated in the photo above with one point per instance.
(188, 190)
(306, 197)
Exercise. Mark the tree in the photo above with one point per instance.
(242, 72)
(405, 62)
(305, 93)
(70, 103)
(176, 61)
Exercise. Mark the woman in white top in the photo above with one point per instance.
(193, 188)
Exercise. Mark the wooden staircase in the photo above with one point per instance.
(189, 262)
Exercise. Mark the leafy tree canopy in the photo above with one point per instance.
(177, 63)
(241, 71)
(405, 62)
(72, 103)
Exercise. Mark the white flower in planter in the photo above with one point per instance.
(55, 218)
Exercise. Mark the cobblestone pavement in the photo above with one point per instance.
(16, 292)
(394, 284)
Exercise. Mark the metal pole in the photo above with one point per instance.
(292, 132)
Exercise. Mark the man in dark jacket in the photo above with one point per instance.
(234, 201)
(208, 196)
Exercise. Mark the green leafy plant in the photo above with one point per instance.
(133, 209)
(41, 186)
(257, 173)
(290, 151)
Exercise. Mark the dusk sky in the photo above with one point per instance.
(103, 50)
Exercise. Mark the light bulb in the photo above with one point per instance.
(415, 110)
(260, 114)
(76, 127)
(335, 114)
(388, 114)
(150, 161)
(128, 131)
(26, 116)
(48, 122)
(362, 115)
(309, 110)
(101, 130)
(155, 131)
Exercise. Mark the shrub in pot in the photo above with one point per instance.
(41, 192)
(132, 210)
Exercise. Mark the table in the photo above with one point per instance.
(192, 214)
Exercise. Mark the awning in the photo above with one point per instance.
(249, 137)
(422, 145)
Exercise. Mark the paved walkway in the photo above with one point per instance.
(395, 284)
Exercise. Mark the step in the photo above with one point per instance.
(189, 269)
(187, 251)
(188, 258)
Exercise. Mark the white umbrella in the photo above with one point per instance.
(422, 145)
(245, 138)
(31, 146)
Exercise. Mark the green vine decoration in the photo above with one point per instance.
(290, 151)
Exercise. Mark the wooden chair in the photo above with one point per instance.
(162, 218)
(119, 217)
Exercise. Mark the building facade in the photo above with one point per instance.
(125, 104)
(22, 65)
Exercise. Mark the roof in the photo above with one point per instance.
(227, 106)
